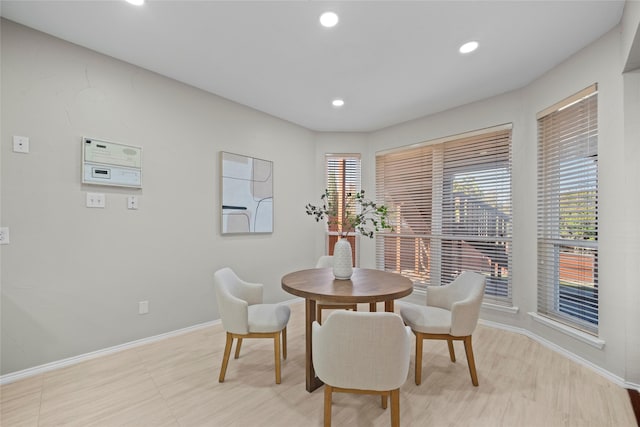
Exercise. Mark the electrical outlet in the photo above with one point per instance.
(4, 235)
(143, 307)
(20, 144)
(95, 200)
(132, 202)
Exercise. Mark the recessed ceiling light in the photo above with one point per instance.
(469, 47)
(329, 19)
(136, 2)
(337, 103)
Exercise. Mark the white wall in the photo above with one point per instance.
(631, 35)
(72, 276)
(631, 156)
(601, 62)
(631, 224)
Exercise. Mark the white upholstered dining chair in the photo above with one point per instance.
(364, 353)
(451, 313)
(244, 315)
(326, 261)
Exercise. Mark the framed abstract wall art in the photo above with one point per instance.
(247, 194)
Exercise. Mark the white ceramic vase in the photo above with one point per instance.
(342, 260)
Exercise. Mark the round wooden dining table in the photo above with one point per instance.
(365, 286)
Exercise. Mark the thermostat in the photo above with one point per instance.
(110, 163)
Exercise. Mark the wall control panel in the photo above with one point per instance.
(110, 163)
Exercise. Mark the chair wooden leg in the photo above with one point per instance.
(419, 339)
(284, 343)
(395, 408)
(276, 348)
(238, 344)
(383, 400)
(225, 358)
(452, 353)
(327, 405)
(319, 314)
(470, 360)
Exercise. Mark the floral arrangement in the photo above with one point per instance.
(343, 215)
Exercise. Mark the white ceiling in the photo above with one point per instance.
(391, 61)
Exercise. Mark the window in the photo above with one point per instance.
(451, 210)
(568, 211)
(343, 177)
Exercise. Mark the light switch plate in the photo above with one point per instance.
(4, 235)
(95, 200)
(143, 307)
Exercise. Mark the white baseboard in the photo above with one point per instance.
(30, 372)
(569, 355)
(36, 370)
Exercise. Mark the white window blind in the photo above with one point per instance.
(568, 211)
(451, 210)
(343, 177)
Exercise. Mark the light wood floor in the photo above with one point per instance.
(175, 383)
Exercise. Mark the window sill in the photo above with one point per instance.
(497, 307)
(574, 333)
(421, 293)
